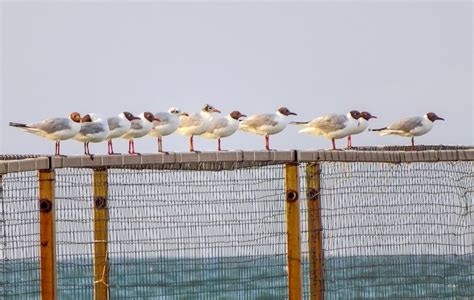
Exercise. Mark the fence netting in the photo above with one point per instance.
(19, 236)
(197, 234)
(397, 231)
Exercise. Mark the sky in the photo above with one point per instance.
(393, 59)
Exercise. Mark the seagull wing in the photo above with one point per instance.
(406, 124)
(92, 128)
(218, 124)
(164, 117)
(257, 121)
(329, 123)
(51, 125)
(190, 121)
(114, 122)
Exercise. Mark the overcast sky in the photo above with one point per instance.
(394, 59)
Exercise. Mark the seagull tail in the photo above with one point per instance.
(378, 129)
(20, 125)
(299, 123)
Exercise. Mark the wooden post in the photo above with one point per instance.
(315, 241)
(293, 231)
(101, 266)
(47, 235)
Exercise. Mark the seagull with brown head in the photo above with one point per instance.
(267, 124)
(55, 129)
(223, 127)
(411, 126)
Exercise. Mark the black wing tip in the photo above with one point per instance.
(298, 123)
(13, 124)
(378, 129)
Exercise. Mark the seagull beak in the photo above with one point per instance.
(184, 114)
(439, 118)
(136, 118)
(373, 117)
(156, 119)
(292, 113)
(216, 110)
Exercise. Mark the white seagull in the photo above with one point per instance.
(362, 126)
(332, 126)
(169, 122)
(196, 123)
(118, 126)
(93, 129)
(56, 129)
(267, 124)
(223, 127)
(411, 127)
(139, 128)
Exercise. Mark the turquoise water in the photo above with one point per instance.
(257, 277)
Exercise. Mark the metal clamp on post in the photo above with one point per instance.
(311, 194)
(45, 205)
(100, 202)
(291, 195)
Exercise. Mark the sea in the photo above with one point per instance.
(252, 277)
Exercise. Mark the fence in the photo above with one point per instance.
(367, 224)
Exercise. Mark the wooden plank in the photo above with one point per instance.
(315, 239)
(47, 235)
(101, 266)
(293, 231)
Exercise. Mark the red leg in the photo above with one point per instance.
(333, 144)
(413, 143)
(133, 146)
(191, 144)
(57, 150)
(108, 147)
(267, 142)
(160, 144)
(129, 146)
(85, 149)
(219, 144)
(349, 142)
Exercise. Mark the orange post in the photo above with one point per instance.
(315, 241)
(47, 235)
(293, 231)
(101, 264)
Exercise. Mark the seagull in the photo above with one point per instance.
(223, 127)
(169, 122)
(196, 123)
(93, 129)
(118, 126)
(363, 124)
(56, 129)
(411, 127)
(332, 126)
(267, 124)
(139, 128)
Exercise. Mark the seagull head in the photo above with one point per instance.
(149, 116)
(355, 114)
(366, 115)
(433, 117)
(129, 116)
(209, 109)
(176, 111)
(86, 118)
(285, 111)
(75, 117)
(236, 115)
